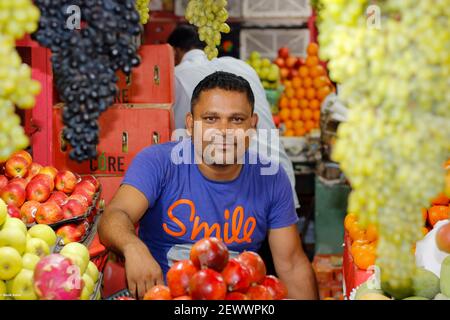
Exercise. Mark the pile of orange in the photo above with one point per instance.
(364, 242)
(439, 210)
(300, 103)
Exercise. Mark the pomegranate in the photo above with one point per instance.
(207, 284)
(276, 287)
(183, 298)
(259, 292)
(179, 276)
(57, 278)
(209, 253)
(236, 296)
(158, 292)
(254, 264)
(236, 276)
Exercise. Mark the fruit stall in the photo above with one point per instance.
(359, 101)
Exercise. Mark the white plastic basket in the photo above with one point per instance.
(276, 9)
(268, 41)
(233, 7)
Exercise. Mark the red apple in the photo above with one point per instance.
(20, 181)
(24, 155)
(13, 211)
(59, 197)
(276, 287)
(49, 213)
(276, 120)
(236, 276)
(16, 167)
(254, 264)
(13, 194)
(443, 238)
(284, 72)
(209, 253)
(179, 276)
(290, 62)
(3, 181)
(69, 233)
(183, 298)
(73, 208)
(81, 198)
(38, 189)
(83, 227)
(158, 292)
(33, 170)
(65, 181)
(236, 296)
(283, 52)
(47, 179)
(293, 73)
(280, 62)
(259, 292)
(86, 186)
(50, 171)
(92, 180)
(82, 193)
(207, 284)
(28, 211)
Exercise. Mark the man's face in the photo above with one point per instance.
(221, 120)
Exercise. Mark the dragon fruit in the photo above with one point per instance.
(57, 278)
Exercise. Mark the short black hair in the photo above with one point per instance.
(185, 37)
(225, 81)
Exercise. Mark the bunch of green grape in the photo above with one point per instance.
(16, 86)
(392, 63)
(143, 7)
(210, 17)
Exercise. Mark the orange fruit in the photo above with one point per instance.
(350, 218)
(310, 95)
(314, 104)
(296, 114)
(424, 214)
(293, 103)
(364, 259)
(307, 115)
(300, 93)
(304, 104)
(303, 71)
(323, 92)
(316, 124)
(289, 124)
(317, 71)
(440, 200)
(287, 83)
(313, 49)
(356, 233)
(316, 115)
(312, 61)
(285, 114)
(289, 133)
(307, 82)
(320, 82)
(356, 245)
(298, 124)
(309, 125)
(299, 132)
(438, 213)
(371, 232)
(296, 82)
(290, 92)
(284, 103)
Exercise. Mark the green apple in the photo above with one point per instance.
(29, 261)
(44, 232)
(13, 237)
(15, 223)
(264, 73)
(3, 212)
(9, 285)
(28, 236)
(92, 271)
(256, 64)
(255, 55)
(265, 63)
(78, 253)
(23, 286)
(2, 290)
(88, 288)
(38, 247)
(10, 263)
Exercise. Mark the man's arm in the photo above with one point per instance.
(291, 263)
(117, 232)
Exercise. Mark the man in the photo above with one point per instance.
(180, 192)
(192, 66)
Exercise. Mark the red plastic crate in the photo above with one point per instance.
(157, 32)
(153, 81)
(125, 131)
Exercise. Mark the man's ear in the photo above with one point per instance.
(254, 120)
(190, 123)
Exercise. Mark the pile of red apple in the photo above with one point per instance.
(211, 275)
(44, 195)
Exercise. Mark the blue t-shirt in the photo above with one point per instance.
(185, 206)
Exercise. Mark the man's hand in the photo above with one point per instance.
(142, 271)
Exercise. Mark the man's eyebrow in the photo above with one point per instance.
(209, 113)
(238, 114)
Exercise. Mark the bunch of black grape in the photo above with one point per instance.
(85, 60)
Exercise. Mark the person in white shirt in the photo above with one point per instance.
(192, 66)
